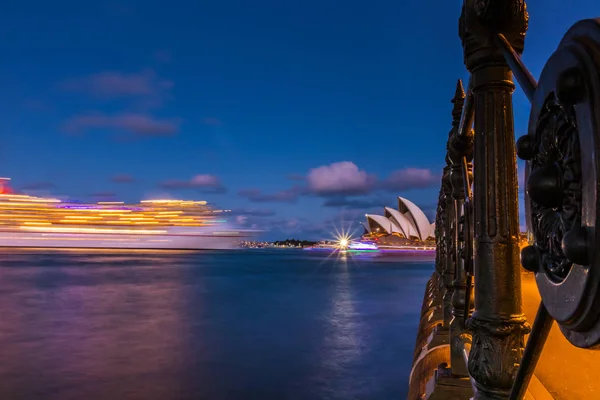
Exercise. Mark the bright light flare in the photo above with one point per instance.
(342, 239)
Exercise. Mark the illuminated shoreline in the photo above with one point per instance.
(378, 250)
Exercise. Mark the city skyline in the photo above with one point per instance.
(296, 116)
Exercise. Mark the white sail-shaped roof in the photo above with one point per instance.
(384, 223)
(406, 226)
(416, 216)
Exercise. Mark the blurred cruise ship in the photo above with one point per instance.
(29, 221)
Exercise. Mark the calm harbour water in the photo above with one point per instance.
(284, 324)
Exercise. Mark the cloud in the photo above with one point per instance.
(142, 90)
(203, 181)
(253, 218)
(113, 84)
(123, 178)
(340, 178)
(285, 196)
(42, 185)
(137, 124)
(411, 178)
(212, 121)
(353, 203)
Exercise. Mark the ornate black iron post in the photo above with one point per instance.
(440, 261)
(498, 323)
(449, 222)
(459, 147)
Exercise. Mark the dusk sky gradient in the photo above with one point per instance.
(295, 114)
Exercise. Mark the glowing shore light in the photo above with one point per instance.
(343, 243)
(362, 246)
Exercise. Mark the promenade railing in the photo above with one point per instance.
(477, 223)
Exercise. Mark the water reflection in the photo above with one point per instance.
(343, 337)
(73, 336)
(267, 325)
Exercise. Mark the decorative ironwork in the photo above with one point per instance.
(440, 253)
(456, 154)
(449, 245)
(554, 185)
(491, 360)
(562, 149)
(467, 239)
(498, 323)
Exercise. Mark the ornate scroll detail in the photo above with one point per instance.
(563, 168)
(557, 156)
(496, 346)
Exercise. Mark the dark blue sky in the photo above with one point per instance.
(294, 113)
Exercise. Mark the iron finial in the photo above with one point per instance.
(458, 101)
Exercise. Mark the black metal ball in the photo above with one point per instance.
(525, 149)
(530, 258)
(570, 86)
(544, 186)
(575, 246)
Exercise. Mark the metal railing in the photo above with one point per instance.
(478, 206)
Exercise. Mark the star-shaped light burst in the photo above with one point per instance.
(343, 243)
(342, 238)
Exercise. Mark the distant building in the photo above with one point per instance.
(408, 223)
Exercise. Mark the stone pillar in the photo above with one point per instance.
(498, 323)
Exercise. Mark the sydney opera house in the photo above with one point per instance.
(405, 225)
